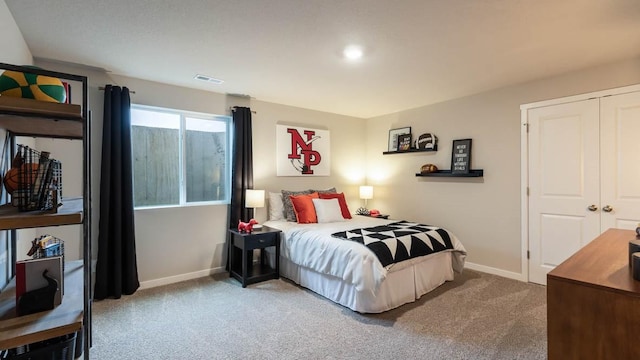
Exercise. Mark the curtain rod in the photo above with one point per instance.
(234, 107)
(102, 88)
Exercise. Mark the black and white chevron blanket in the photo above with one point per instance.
(400, 240)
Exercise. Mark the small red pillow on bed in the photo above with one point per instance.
(343, 203)
(304, 209)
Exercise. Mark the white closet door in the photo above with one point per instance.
(563, 183)
(620, 161)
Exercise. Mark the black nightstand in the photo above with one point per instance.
(381, 216)
(241, 249)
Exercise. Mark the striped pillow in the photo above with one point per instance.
(289, 213)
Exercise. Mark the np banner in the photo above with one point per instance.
(302, 151)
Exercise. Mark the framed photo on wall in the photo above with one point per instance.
(393, 137)
(461, 156)
(404, 142)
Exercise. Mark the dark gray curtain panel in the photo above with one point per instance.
(241, 169)
(116, 268)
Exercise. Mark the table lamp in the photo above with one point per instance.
(254, 199)
(366, 193)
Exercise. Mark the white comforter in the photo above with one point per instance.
(312, 246)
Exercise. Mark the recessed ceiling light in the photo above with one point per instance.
(352, 52)
(208, 79)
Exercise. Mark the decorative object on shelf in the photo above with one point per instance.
(302, 151)
(29, 277)
(254, 199)
(404, 142)
(428, 168)
(461, 156)
(67, 89)
(41, 299)
(39, 189)
(247, 227)
(426, 141)
(366, 193)
(47, 246)
(393, 137)
(24, 173)
(32, 86)
(638, 231)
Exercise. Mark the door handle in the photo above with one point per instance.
(592, 208)
(607, 208)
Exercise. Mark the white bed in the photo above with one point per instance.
(350, 274)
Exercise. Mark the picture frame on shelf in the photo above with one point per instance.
(404, 142)
(461, 156)
(393, 137)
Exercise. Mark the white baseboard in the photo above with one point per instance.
(207, 272)
(495, 271)
(178, 278)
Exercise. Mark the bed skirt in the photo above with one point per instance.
(399, 287)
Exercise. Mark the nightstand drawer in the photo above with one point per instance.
(260, 241)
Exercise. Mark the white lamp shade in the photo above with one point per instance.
(254, 198)
(366, 192)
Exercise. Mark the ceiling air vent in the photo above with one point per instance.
(208, 79)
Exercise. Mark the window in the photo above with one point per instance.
(179, 157)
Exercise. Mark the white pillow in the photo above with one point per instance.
(327, 210)
(276, 206)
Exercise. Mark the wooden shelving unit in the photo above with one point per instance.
(447, 173)
(27, 117)
(412, 150)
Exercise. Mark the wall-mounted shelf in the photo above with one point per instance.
(412, 150)
(447, 173)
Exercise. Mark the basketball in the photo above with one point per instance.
(32, 86)
(14, 176)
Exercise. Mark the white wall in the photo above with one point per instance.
(14, 51)
(484, 213)
(14, 48)
(347, 151)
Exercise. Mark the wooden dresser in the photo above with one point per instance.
(593, 302)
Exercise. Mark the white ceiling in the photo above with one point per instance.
(417, 52)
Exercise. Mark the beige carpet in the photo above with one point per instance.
(477, 316)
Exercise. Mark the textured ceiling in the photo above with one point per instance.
(417, 52)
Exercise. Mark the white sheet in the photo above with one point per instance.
(311, 246)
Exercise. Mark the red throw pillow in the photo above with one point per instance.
(343, 203)
(304, 209)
